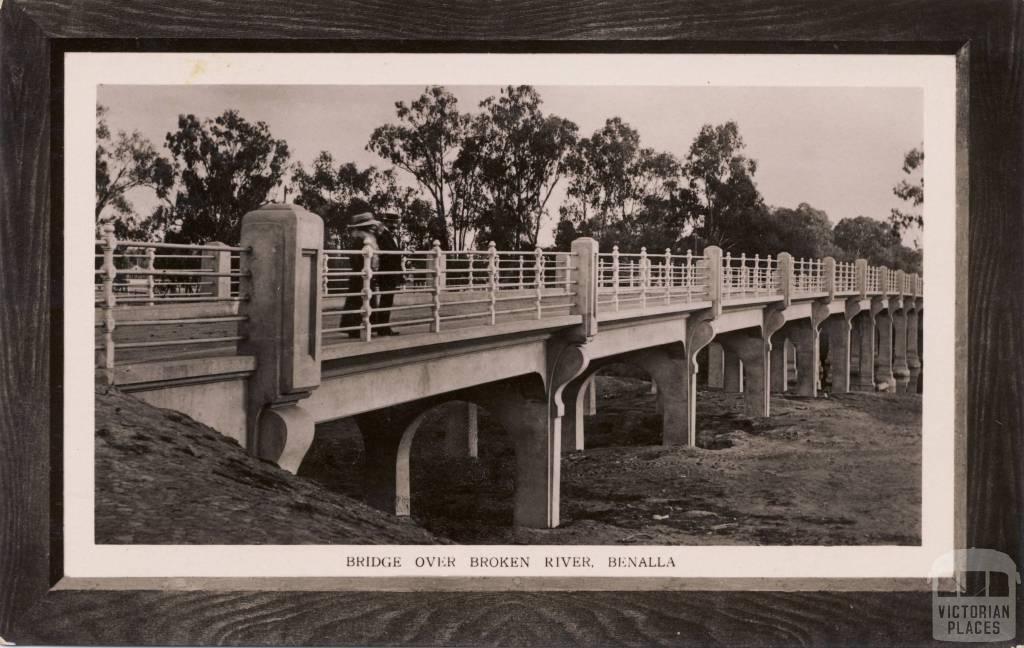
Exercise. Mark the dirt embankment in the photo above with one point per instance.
(162, 478)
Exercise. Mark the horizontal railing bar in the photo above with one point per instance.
(142, 345)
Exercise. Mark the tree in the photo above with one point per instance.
(123, 164)
(722, 179)
(519, 154)
(336, 192)
(621, 192)
(804, 232)
(226, 167)
(912, 192)
(426, 143)
(867, 238)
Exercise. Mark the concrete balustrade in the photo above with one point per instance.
(521, 335)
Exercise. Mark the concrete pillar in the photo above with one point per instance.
(805, 338)
(716, 366)
(839, 353)
(884, 378)
(590, 400)
(900, 368)
(779, 365)
(750, 351)
(791, 368)
(854, 349)
(667, 368)
(913, 356)
(576, 398)
(732, 380)
(460, 429)
(865, 333)
(282, 329)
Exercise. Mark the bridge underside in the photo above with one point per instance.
(536, 380)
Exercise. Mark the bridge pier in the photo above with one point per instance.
(900, 368)
(884, 378)
(865, 332)
(913, 355)
(750, 352)
(716, 366)
(590, 399)
(461, 430)
(804, 337)
(779, 366)
(732, 371)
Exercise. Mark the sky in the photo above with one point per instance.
(839, 149)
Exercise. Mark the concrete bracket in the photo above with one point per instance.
(284, 432)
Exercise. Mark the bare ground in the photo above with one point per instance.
(844, 470)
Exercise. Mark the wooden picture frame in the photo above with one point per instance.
(986, 38)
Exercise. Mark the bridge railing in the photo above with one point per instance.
(808, 277)
(845, 281)
(637, 281)
(436, 289)
(164, 295)
(749, 277)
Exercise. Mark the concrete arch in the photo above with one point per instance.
(520, 405)
(667, 367)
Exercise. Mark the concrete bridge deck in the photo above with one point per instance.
(262, 350)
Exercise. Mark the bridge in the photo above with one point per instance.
(264, 340)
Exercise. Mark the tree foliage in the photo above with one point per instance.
(910, 190)
(337, 191)
(871, 239)
(124, 163)
(226, 167)
(427, 142)
(519, 154)
(722, 180)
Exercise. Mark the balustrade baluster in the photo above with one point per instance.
(109, 300)
(615, 277)
(492, 253)
(667, 274)
(367, 291)
(438, 282)
(538, 266)
(150, 279)
(644, 278)
(522, 265)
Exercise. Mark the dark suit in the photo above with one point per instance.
(389, 262)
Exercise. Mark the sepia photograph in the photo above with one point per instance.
(434, 324)
(509, 315)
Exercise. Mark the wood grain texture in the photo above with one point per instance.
(995, 346)
(24, 316)
(870, 21)
(456, 619)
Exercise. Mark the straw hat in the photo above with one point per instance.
(364, 219)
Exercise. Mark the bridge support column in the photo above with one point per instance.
(791, 368)
(716, 366)
(750, 350)
(779, 365)
(590, 400)
(805, 336)
(900, 368)
(461, 431)
(884, 378)
(865, 332)
(913, 356)
(839, 354)
(576, 397)
(282, 328)
(732, 374)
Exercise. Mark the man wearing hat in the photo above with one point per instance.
(367, 230)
